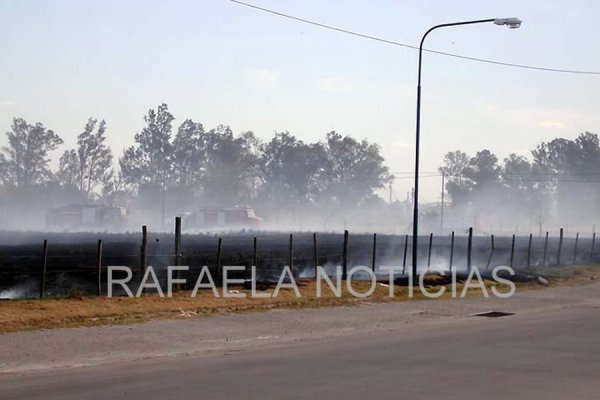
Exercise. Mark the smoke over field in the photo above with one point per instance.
(208, 176)
(71, 260)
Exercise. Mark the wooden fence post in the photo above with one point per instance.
(404, 257)
(493, 248)
(512, 251)
(315, 252)
(529, 250)
(291, 253)
(144, 252)
(374, 256)
(560, 243)
(545, 250)
(177, 240)
(255, 253)
(575, 251)
(99, 269)
(219, 247)
(178, 247)
(43, 272)
(451, 250)
(469, 250)
(429, 251)
(592, 249)
(345, 257)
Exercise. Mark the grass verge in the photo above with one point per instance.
(76, 311)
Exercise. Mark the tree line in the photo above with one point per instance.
(561, 182)
(186, 166)
(192, 166)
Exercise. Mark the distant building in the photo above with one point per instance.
(214, 217)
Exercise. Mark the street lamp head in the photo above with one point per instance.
(512, 23)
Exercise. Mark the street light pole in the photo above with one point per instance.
(442, 208)
(512, 23)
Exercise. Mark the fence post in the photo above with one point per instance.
(44, 264)
(575, 251)
(529, 250)
(592, 250)
(291, 253)
(345, 257)
(469, 250)
(144, 260)
(177, 240)
(255, 253)
(219, 247)
(451, 249)
(374, 257)
(99, 269)
(404, 257)
(545, 250)
(491, 253)
(429, 251)
(315, 253)
(512, 251)
(178, 247)
(560, 243)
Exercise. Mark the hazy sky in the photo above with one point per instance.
(217, 62)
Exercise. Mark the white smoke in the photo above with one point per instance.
(16, 292)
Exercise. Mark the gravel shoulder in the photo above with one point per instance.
(26, 352)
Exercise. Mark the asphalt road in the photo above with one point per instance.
(554, 354)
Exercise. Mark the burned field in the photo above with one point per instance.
(71, 262)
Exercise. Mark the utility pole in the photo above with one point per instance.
(442, 210)
(162, 211)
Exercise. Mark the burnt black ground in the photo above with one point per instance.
(72, 256)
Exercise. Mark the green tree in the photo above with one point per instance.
(24, 162)
(189, 154)
(458, 185)
(568, 170)
(150, 161)
(354, 170)
(89, 165)
(292, 170)
(483, 171)
(521, 192)
(230, 168)
(68, 170)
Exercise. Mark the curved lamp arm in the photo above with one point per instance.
(512, 23)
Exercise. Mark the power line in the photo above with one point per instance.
(413, 172)
(395, 178)
(392, 42)
(528, 174)
(522, 177)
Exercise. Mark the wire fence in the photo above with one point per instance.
(66, 264)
